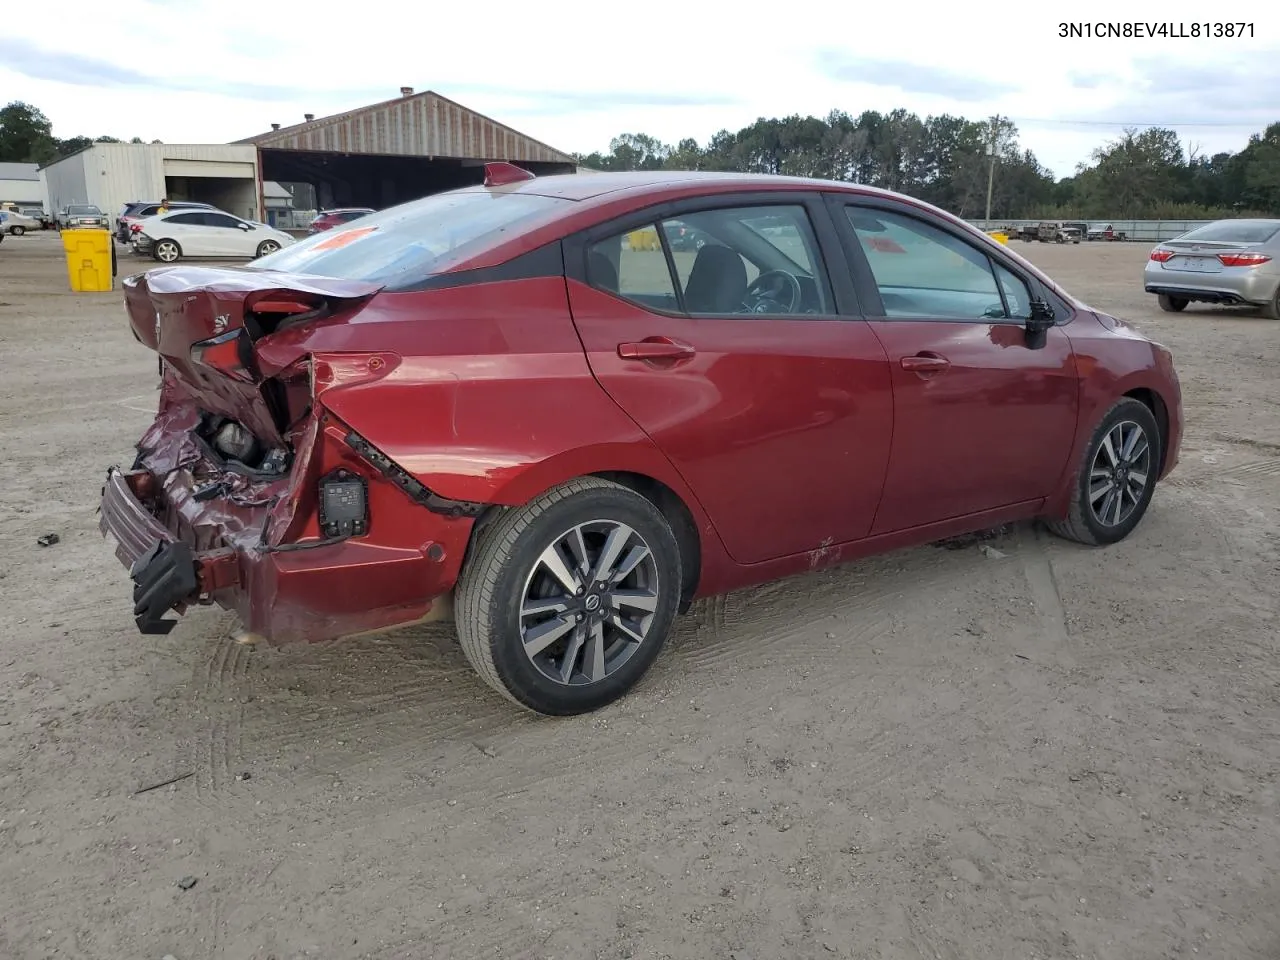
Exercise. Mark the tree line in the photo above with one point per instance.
(1143, 174)
(944, 160)
(26, 136)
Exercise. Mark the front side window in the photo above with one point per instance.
(749, 261)
(1017, 298)
(922, 271)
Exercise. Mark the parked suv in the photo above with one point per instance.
(81, 216)
(136, 210)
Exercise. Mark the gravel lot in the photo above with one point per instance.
(1041, 752)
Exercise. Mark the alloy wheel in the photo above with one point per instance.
(1119, 473)
(167, 251)
(589, 602)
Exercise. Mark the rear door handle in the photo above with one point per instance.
(922, 363)
(656, 348)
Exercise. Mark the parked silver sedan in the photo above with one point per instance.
(1228, 262)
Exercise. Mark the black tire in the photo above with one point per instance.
(1172, 304)
(267, 247)
(504, 558)
(17, 231)
(160, 246)
(1272, 310)
(1082, 523)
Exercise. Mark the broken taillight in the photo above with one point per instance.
(229, 354)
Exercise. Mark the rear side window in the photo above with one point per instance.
(1233, 231)
(633, 266)
(190, 219)
(414, 239)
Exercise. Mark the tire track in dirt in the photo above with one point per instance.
(1263, 469)
(1052, 642)
(398, 730)
(218, 680)
(855, 601)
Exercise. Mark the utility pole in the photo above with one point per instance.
(991, 171)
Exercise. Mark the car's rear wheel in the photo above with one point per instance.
(266, 247)
(564, 603)
(1172, 304)
(1116, 478)
(167, 251)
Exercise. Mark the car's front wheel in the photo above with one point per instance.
(17, 231)
(1116, 477)
(167, 251)
(564, 603)
(1172, 304)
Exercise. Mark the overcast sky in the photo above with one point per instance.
(575, 74)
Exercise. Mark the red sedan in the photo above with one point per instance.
(328, 219)
(518, 404)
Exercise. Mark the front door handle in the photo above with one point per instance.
(656, 348)
(925, 363)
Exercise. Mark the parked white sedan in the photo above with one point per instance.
(210, 234)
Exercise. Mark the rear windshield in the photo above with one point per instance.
(1234, 231)
(417, 238)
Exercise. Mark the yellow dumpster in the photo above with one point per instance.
(646, 238)
(90, 258)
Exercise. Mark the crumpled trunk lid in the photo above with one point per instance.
(206, 321)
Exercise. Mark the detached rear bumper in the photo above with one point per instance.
(166, 573)
(307, 590)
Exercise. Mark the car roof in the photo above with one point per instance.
(588, 186)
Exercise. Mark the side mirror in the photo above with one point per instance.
(1039, 323)
(245, 227)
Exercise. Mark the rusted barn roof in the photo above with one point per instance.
(417, 125)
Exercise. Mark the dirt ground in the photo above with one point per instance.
(1041, 752)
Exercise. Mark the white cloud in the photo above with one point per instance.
(218, 70)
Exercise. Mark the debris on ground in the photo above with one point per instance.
(48, 539)
(990, 552)
(186, 883)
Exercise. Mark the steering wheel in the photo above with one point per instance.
(772, 290)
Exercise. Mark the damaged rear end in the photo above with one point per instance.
(247, 491)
